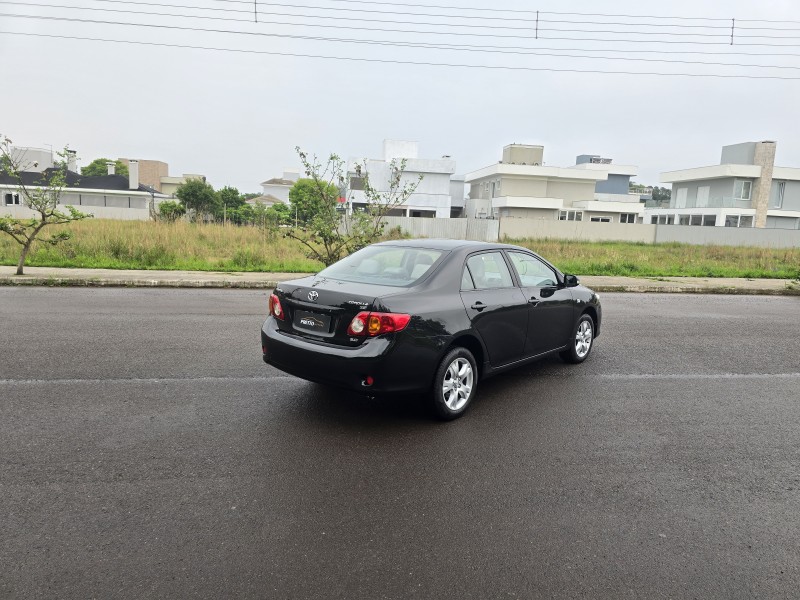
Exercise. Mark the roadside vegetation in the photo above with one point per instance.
(97, 243)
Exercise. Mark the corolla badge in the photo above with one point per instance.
(313, 295)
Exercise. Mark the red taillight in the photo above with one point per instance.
(373, 323)
(275, 308)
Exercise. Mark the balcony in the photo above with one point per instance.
(723, 202)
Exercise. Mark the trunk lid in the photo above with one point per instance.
(321, 309)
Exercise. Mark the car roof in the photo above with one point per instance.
(442, 244)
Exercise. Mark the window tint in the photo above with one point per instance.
(532, 272)
(385, 265)
(489, 270)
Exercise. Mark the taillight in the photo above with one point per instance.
(275, 308)
(374, 323)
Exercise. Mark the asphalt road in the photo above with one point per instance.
(147, 452)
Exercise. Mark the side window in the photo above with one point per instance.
(466, 280)
(532, 272)
(489, 270)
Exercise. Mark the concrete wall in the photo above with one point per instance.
(570, 191)
(738, 154)
(728, 236)
(99, 212)
(485, 230)
(576, 230)
(513, 186)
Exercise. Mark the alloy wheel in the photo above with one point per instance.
(583, 338)
(457, 384)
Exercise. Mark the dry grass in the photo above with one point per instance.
(147, 245)
(110, 244)
(667, 260)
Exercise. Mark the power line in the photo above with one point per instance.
(403, 62)
(496, 9)
(542, 25)
(517, 50)
(318, 25)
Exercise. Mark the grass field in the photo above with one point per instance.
(146, 245)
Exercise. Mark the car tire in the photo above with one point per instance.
(455, 384)
(581, 341)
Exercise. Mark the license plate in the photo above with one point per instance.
(313, 322)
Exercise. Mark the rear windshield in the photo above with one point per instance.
(385, 265)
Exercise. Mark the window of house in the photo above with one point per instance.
(738, 221)
(683, 219)
(356, 183)
(696, 220)
(709, 220)
(570, 215)
(666, 219)
(680, 198)
(670, 219)
(780, 190)
(627, 218)
(600, 219)
(12, 199)
(741, 189)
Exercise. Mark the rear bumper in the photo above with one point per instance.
(393, 368)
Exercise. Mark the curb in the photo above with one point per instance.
(33, 281)
(719, 290)
(25, 281)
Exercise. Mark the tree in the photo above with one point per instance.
(99, 166)
(41, 195)
(307, 198)
(171, 211)
(230, 198)
(661, 194)
(331, 232)
(199, 196)
(279, 214)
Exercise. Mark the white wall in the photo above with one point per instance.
(516, 228)
(99, 212)
(485, 230)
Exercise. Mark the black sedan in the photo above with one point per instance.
(432, 316)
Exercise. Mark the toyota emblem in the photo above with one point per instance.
(312, 295)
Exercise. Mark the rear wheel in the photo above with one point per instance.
(455, 384)
(581, 341)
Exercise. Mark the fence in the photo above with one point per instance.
(485, 230)
(490, 230)
(100, 212)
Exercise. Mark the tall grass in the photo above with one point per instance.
(667, 260)
(98, 243)
(111, 244)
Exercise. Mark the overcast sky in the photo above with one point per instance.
(236, 117)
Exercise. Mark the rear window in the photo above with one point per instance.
(385, 265)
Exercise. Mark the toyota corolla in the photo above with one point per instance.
(428, 316)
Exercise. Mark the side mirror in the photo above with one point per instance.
(571, 280)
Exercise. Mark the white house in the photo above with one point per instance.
(522, 186)
(745, 190)
(432, 197)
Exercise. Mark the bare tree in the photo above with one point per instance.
(333, 231)
(40, 194)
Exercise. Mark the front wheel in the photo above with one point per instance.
(455, 384)
(581, 341)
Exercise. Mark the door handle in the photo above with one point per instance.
(479, 306)
(533, 301)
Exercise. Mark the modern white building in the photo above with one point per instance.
(745, 190)
(432, 197)
(522, 186)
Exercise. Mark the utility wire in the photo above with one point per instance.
(518, 50)
(338, 27)
(496, 9)
(403, 62)
(541, 24)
